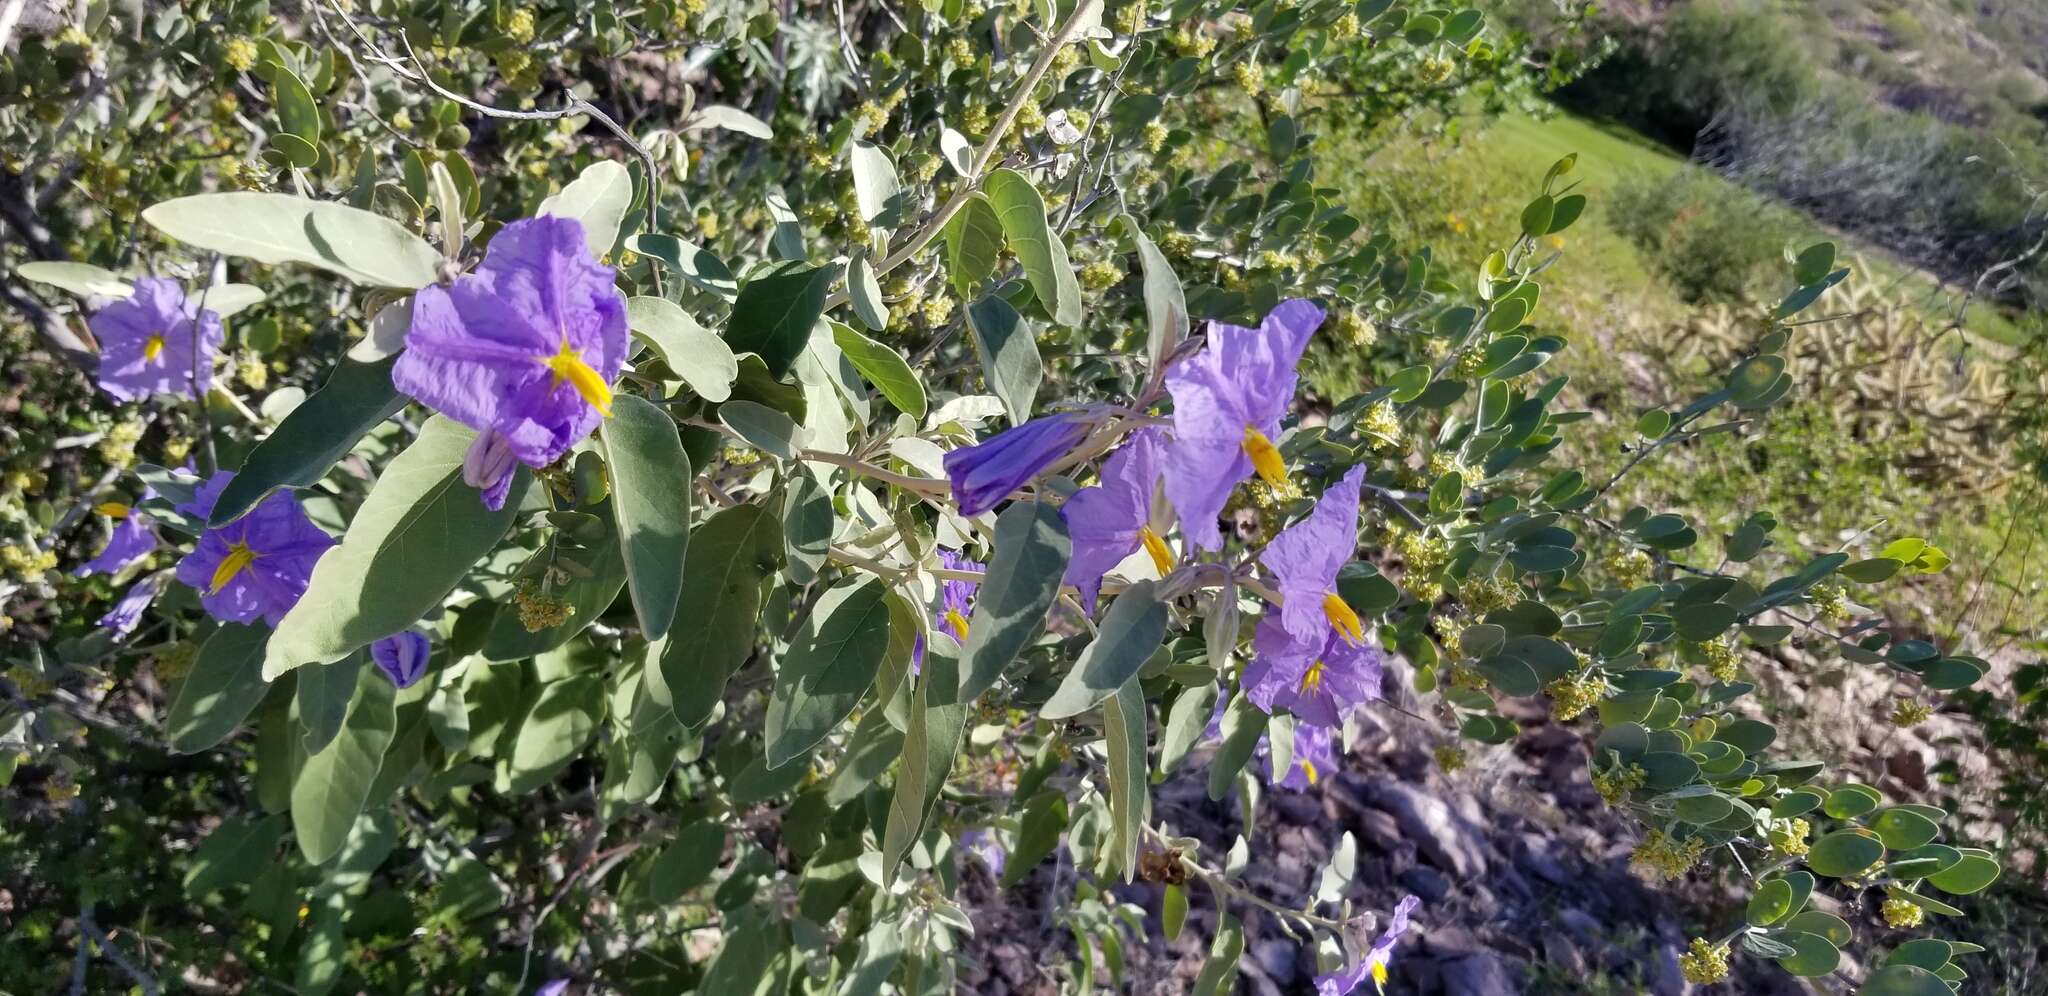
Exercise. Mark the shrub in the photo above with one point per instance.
(1712, 241)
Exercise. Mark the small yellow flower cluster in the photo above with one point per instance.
(1465, 676)
(960, 52)
(1443, 462)
(1661, 858)
(1127, 18)
(1449, 634)
(1249, 78)
(1831, 601)
(1788, 837)
(251, 370)
(513, 64)
(1910, 712)
(1902, 914)
(175, 661)
(538, 608)
(1345, 28)
(1189, 41)
(921, 167)
(61, 788)
(1274, 259)
(117, 447)
(74, 37)
(239, 54)
(683, 12)
(28, 482)
(1382, 425)
(519, 26)
(1575, 693)
(1629, 568)
(1424, 554)
(1155, 136)
(708, 225)
(1471, 360)
(974, 118)
(1450, 757)
(29, 681)
(26, 562)
(1487, 594)
(1101, 275)
(1704, 964)
(937, 310)
(1724, 662)
(1615, 784)
(740, 456)
(177, 448)
(1435, 69)
(1064, 61)
(1177, 244)
(1241, 29)
(1354, 328)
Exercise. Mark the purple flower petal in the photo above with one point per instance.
(255, 567)
(985, 474)
(1243, 380)
(525, 347)
(402, 657)
(133, 538)
(554, 987)
(1315, 755)
(127, 613)
(1343, 981)
(1107, 521)
(1306, 556)
(150, 343)
(1318, 681)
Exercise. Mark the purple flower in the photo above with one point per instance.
(256, 566)
(524, 350)
(1344, 980)
(1306, 557)
(402, 657)
(555, 987)
(150, 342)
(956, 605)
(488, 466)
(127, 613)
(986, 474)
(1315, 755)
(1109, 521)
(133, 538)
(984, 845)
(1319, 681)
(1227, 404)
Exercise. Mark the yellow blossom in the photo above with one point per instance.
(1703, 963)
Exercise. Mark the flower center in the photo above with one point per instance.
(958, 622)
(1265, 456)
(113, 510)
(1312, 679)
(568, 365)
(1308, 768)
(1379, 975)
(153, 347)
(238, 560)
(1162, 555)
(1346, 621)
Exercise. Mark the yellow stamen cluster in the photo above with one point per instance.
(539, 608)
(1788, 837)
(1435, 69)
(1381, 425)
(1356, 329)
(1629, 568)
(1188, 41)
(117, 447)
(1909, 712)
(519, 26)
(974, 119)
(1831, 602)
(1471, 360)
(1901, 914)
(1449, 635)
(1155, 136)
(937, 310)
(568, 366)
(1101, 275)
(1265, 456)
(1615, 784)
(1177, 244)
(1449, 757)
(1489, 594)
(1345, 28)
(239, 558)
(1155, 545)
(1724, 662)
(28, 681)
(1274, 259)
(1662, 858)
(1249, 78)
(26, 562)
(61, 788)
(1127, 18)
(252, 371)
(239, 54)
(960, 52)
(1575, 693)
(1065, 60)
(1704, 964)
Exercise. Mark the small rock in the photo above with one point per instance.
(1447, 839)
(1537, 861)
(1277, 957)
(1426, 883)
(1480, 974)
(1583, 925)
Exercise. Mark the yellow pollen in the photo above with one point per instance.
(958, 622)
(1265, 456)
(1162, 555)
(568, 365)
(238, 559)
(113, 510)
(1312, 679)
(153, 347)
(1309, 768)
(1379, 975)
(1344, 619)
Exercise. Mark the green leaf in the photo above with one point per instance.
(555, 732)
(974, 244)
(279, 228)
(884, 367)
(1903, 829)
(731, 119)
(1044, 257)
(1844, 853)
(1130, 631)
(233, 854)
(876, 191)
(829, 666)
(1771, 902)
(82, 279)
(324, 954)
(1851, 801)
(1904, 980)
(1038, 834)
(411, 542)
(1536, 217)
(1754, 378)
(225, 685)
(1023, 579)
(744, 959)
(864, 292)
(881, 947)
(687, 862)
(333, 784)
(1130, 796)
(1008, 348)
(650, 477)
(1703, 622)
(1969, 876)
(1243, 723)
(1166, 304)
(323, 692)
(764, 428)
(587, 594)
(1185, 724)
(808, 521)
(1566, 210)
(697, 266)
(700, 358)
(937, 717)
(1813, 955)
(774, 313)
(1173, 911)
(1219, 970)
(1929, 953)
(599, 198)
(357, 397)
(1814, 263)
(731, 555)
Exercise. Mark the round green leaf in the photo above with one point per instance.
(1902, 829)
(1904, 980)
(1851, 801)
(1811, 956)
(1844, 853)
(1976, 870)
